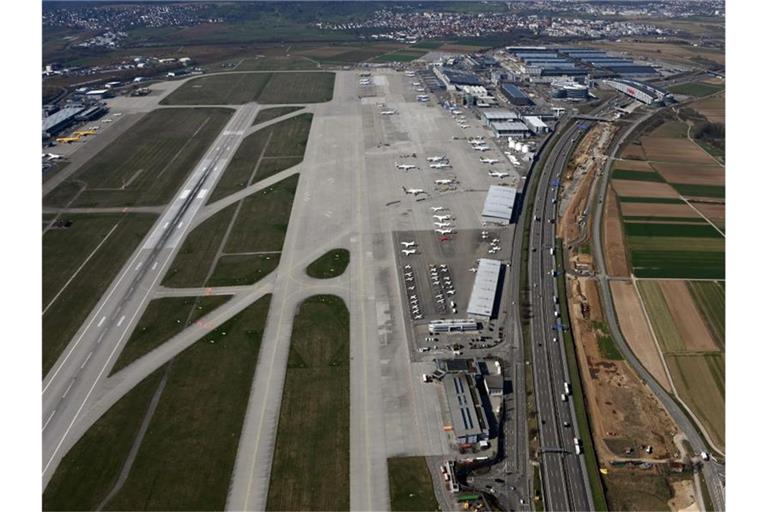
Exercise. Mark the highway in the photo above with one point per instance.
(68, 389)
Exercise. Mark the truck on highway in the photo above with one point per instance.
(567, 388)
(552, 251)
(578, 446)
(563, 397)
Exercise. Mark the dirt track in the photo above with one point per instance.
(633, 165)
(692, 327)
(613, 239)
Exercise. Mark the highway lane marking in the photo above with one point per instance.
(202, 193)
(101, 321)
(154, 265)
(49, 419)
(165, 225)
(120, 322)
(139, 265)
(178, 226)
(101, 337)
(185, 193)
(87, 358)
(68, 388)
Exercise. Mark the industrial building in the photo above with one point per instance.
(569, 89)
(455, 77)
(536, 125)
(510, 129)
(498, 115)
(483, 298)
(499, 204)
(61, 120)
(640, 91)
(515, 95)
(468, 420)
(452, 325)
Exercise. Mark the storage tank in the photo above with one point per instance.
(518, 146)
(510, 142)
(525, 148)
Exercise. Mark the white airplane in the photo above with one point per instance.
(447, 231)
(405, 167)
(408, 244)
(441, 218)
(420, 89)
(437, 208)
(407, 252)
(52, 156)
(410, 73)
(414, 191)
(416, 84)
(440, 165)
(498, 174)
(422, 98)
(489, 160)
(437, 158)
(444, 182)
(481, 148)
(388, 112)
(442, 224)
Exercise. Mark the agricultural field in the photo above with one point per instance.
(264, 87)
(313, 429)
(710, 298)
(187, 454)
(712, 108)
(410, 485)
(271, 63)
(331, 264)
(697, 89)
(79, 263)
(146, 165)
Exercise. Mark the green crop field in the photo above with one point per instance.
(310, 468)
(671, 230)
(311, 87)
(268, 114)
(676, 129)
(147, 164)
(64, 251)
(219, 89)
(659, 200)
(275, 63)
(691, 264)
(710, 298)
(621, 174)
(263, 219)
(197, 253)
(673, 243)
(649, 218)
(163, 319)
(399, 57)
(608, 348)
(410, 485)
(700, 382)
(274, 149)
(661, 319)
(700, 190)
(242, 269)
(697, 89)
(331, 264)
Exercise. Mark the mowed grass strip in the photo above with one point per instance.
(163, 319)
(275, 63)
(305, 87)
(310, 468)
(287, 142)
(700, 381)
(410, 484)
(219, 89)
(242, 269)
(197, 253)
(697, 89)
(716, 191)
(263, 219)
(146, 165)
(671, 230)
(621, 174)
(674, 243)
(661, 319)
(268, 114)
(651, 218)
(331, 264)
(682, 264)
(65, 316)
(710, 299)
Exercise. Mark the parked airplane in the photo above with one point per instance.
(444, 182)
(410, 73)
(441, 217)
(437, 208)
(407, 252)
(52, 156)
(416, 84)
(414, 191)
(422, 97)
(437, 158)
(405, 167)
(68, 139)
(420, 89)
(481, 148)
(440, 165)
(388, 112)
(489, 160)
(447, 231)
(442, 224)
(408, 244)
(498, 174)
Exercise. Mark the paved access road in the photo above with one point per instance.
(85, 363)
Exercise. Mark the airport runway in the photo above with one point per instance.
(69, 387)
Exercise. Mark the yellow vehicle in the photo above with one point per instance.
(84, 132)
(68, 139)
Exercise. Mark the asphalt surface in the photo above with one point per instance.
(69, 386)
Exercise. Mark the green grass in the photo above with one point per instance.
(678, 264)
(263, 219)
(148, 163)
(428, 44)
(310, 468)
(331, 264)
(66, 249)
(661, 318)
(620, 174)
(608, 348)
(242, 269)
(275, 63)
(410, 484)
(219, 89)
(675, 243)
(700, 190)
(399, 57)
(577, 395)
(282, 146)
(637, 491)
(268, 114)
(659, 200)
(676, 129)
(650, 218)
(161, 320)
(194, 259)
(312, 87)
(710, 299)
(697, 89)
(671, 230)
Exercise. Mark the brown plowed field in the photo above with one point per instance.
(613, 238)
(657, 210)
(634, 188)
(712, 108)
(693, 329)
(696, 174)
(633, 165)
(668, 149)
(713, 211)
(636, 330)
(633, 151)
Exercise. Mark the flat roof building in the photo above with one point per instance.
(639, 90)
(515, 95)
(510, 129)
(468, 419)
(59, 121)
(483, 298)
(499, 204)
(535, 124)
(452, 325)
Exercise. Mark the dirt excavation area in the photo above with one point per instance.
(613, 238)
